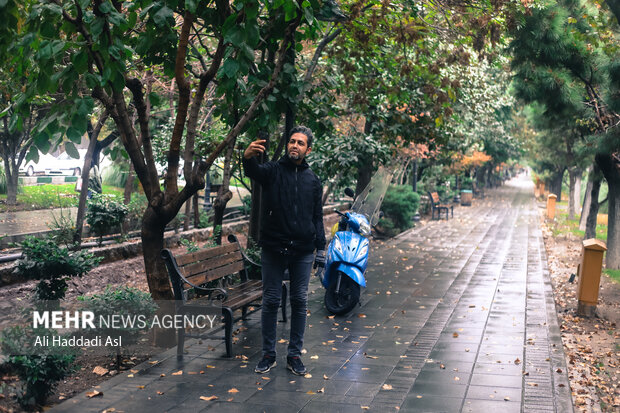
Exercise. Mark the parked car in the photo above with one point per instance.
(62, 164)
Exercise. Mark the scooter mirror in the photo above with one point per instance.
(349, 192)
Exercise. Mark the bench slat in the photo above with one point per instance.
(215, 274)
(205, 254)
(211, 264)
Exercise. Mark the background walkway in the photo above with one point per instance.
(458, 316)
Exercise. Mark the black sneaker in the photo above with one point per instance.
(265, 364)
(294, 364)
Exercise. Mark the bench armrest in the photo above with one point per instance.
(232, 238)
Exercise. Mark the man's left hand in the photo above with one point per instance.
(319, 259)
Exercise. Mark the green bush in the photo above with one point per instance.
(467, 183)
(400, 205)
(115, 175)
(104, 213)
(42, 259)
(38, 372)
(387, 227)
(120, 302)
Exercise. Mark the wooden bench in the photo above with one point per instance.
(192, 276)
(436, 205)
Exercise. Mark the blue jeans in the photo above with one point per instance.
(273, 266)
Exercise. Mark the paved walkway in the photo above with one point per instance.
(458, 316)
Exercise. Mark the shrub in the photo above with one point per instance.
(386, 227)
(38, 372)
(104, 213)
(120, 302)
(467, 183)
(135, 210)
(400, 205)
(62, 227)
(42, 259)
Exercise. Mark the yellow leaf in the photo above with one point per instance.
(210, 367)
(455, 335)
(387, 387)
(315, 357)
(208, 399)
(233, 390)
(178, 373)
(325, 377)
(140, 387)
(93, 393)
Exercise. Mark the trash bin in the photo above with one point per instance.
(466, 197)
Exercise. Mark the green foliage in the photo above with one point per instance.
(387, 227)
(62, 227)
(135, 209)
(400, 205)
(190, 246)
(40, 370)
(44, 260)
(105, 212)
(120, 302)
(2, 180)
(205, 218)
(467, 183)
(115, 174)
(246, 206)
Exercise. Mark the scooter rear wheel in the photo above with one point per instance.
(342, 302)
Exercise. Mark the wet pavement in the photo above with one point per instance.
(458, 316)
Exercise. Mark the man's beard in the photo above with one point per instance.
(294, 157)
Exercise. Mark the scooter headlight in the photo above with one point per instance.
(365, 229)
(338, 245)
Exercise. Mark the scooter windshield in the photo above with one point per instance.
(369, 201)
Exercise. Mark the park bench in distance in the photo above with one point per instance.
(190, 273)
(436, 205)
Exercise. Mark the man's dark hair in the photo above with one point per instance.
(305, 130)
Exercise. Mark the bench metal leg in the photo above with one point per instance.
(284, 298)
(228, 325)
(180, 342)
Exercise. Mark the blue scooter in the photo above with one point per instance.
(347, 259)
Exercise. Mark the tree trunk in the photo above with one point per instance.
(152, 243)
(414, 176)
(196, 210)
(223, 194)
(81, 211)
(256, 211)
(593, 211)
(587, 199)
(576, 198)
(556, 184)
(573, 191)
(12, 182)
(364, 174)
(610, 166)
(188, 211)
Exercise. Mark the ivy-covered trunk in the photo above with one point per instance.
(610, 166)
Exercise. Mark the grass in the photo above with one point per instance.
(564, 226)
(613, 274)
(50, 196)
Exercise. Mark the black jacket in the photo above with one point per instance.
(292, 208)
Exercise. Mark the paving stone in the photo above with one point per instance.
(481, 275)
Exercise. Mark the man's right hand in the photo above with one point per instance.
(256, 148)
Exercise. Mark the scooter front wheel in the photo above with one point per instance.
(344, 300)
